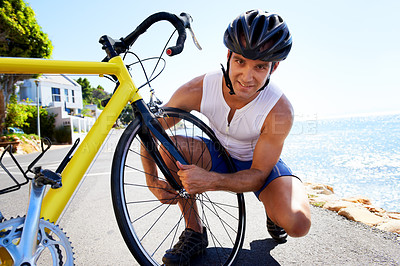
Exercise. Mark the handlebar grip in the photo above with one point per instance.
(182, 23)
(186, 19)
(178, 48)
(171, 51)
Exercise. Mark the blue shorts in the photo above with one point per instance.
(219, 166)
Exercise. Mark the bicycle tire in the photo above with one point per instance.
(149, 232)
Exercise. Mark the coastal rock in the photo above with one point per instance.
(358, 209)
(374, 209)
(394, 215)
(359, 199)
(322, 200)
(337, 205)
(318, 188)
(391, 226)
(362, 215)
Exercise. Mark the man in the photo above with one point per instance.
(251, 118)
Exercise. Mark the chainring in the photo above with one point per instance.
(52, 243)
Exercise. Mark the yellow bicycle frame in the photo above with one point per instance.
(56, 199)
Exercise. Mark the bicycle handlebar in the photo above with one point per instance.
(116, 47)
(178, 22)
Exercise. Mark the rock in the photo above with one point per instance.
(391, 226)
(362, 215)
(357, 209)
(318, 189)
(374, 209)
(359, 199)
(377, 211)
(321, 200)
(394, 215)
(337, 205)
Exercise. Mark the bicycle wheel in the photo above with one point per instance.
(149, 227)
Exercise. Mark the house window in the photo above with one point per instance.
(55, 92)
(66, 95)
(73, 96)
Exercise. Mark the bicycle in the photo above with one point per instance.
(148, 226)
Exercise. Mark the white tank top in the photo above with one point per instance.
(240, 136)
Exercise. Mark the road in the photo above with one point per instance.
(90, 223)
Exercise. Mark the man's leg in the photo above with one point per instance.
(193, 240)
(286, 204)
(195, 152)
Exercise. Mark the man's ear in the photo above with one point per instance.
(229, 54)
(275, 64)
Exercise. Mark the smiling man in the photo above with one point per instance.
(251, 117)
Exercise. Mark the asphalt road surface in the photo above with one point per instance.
(90, 223)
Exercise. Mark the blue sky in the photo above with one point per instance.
(344, 59)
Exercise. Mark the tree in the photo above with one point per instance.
(20, 36)
(86, 90)
(25, 116)
(99, 94)
(16, 114)
(47, 121)
(92, 95)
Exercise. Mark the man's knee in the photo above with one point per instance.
(298, 224)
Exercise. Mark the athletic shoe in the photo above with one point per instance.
(276, 232)
(190, 244)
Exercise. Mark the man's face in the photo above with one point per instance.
(247, 75)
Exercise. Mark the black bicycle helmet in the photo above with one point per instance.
(260, 35)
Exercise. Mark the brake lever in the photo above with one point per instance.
(186, 20)
(196, 43)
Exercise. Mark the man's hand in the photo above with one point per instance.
(194, 179)
(163, 191)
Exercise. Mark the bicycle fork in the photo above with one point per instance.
(153, 126)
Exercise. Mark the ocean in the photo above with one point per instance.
(357, 156)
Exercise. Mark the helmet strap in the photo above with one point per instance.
(228, 81)
(267, 82)
(265, 85)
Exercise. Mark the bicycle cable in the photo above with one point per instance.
(162, 52)
(140, 61)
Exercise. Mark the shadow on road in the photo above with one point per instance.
(259, 254)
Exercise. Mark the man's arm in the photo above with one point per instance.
(188, 96)
(266, 154)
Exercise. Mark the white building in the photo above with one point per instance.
(54, 91)
(62, 96)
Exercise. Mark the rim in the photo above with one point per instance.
(155, 227)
